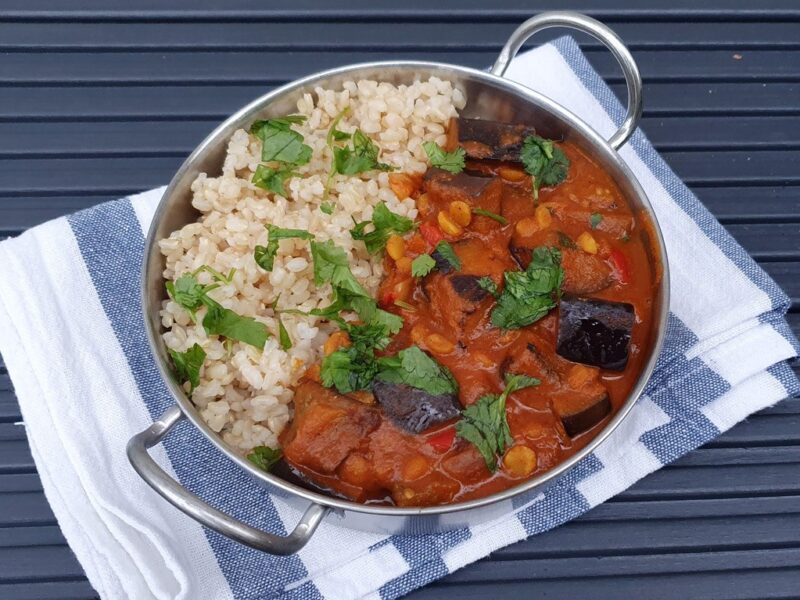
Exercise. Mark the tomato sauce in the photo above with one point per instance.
(603, 245)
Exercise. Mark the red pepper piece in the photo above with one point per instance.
(619, 263)
(432, 234)
(442, 441)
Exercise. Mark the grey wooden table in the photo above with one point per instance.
(103, 98)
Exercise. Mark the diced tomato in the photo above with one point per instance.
(416, 245)
(387, 298)
(432, 234)
(620, 265)
(442, 441)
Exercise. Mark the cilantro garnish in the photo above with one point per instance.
(565, 241)
(360, 157)
(415, 368)
(354, 367)
(488, 284)
(384, 223)
(283, 149)
(484, 423)
(529, 295)
(487, 213)
(446, 252)
(448, 161)
(595, 219)
(544, 161)
(422, 265)
(191, 295)
(188, 365)
(264, 457)
(326, 207)
(265, 255)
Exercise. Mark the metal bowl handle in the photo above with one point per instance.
(600, 32)
(213, 518)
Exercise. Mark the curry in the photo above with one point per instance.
(528, 281)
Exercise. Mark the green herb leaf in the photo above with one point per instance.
(487, 213)
(188, 364)
(333, 133)
(187, 292)
(362, 156)
(565, 241)
(264, 457)
(488, 284)
(384, 223)
(280, 143)
(354, 367)
(326, 207)
(265, 255)
(272, 179)
(422, 265)
(283, 335)
(529, 295)
(332, 266)
(484, 424)
(545, 161)
(449, 161)
(445, 250)
(595, 219)
(415, 368)
(223, 321)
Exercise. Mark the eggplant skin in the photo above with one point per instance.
(468, 288)
(595, 332)
(491, 140)
(414, 409)
(583, 420)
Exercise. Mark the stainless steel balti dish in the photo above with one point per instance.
(490, 97)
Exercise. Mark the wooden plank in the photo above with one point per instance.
(33, 563)
(225, 36)
(49, 590)
(213, 68)
(36, 535)
(739, 585)
(215, 103)
(768, 241)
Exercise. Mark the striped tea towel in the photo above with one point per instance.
(73, 339)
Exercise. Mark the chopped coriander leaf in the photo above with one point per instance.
(187, 292)
(544, 161)
(223, 321)
(331, 265)
(280, 143)
(265, 255)
(487, 213)
(448, 161)
(215, 274)
(188, 365)
(529, 295)
(405, 305)
(354, 367)
(326, 207)
(361, 157)
(445, 250)
(422, 265)
(625, 237)
(264, 457)
(521, 380)
(272, 179)
(334, 135)
(484, 424)
(384, 223)
(565, 241)
(488, 284)
(595, 220)
(415, 368)
(283, 334)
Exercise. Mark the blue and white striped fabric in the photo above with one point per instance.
(73, 339)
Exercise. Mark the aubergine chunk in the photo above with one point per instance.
(595, 332)
(584, 273)
(480, 192)
(488, 140)
(326, 428)
(413, 409)
(580, 412)
(468, 288)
